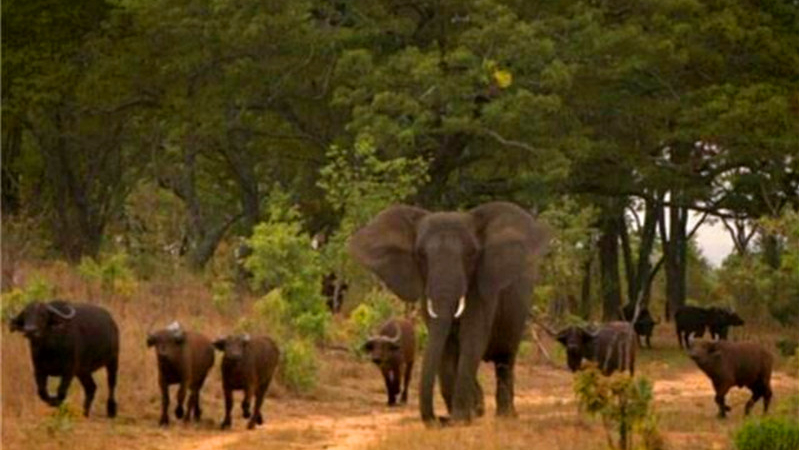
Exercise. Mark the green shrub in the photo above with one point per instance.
(113, 274)
(377, 307)
(298, 365)
(282, 257)
(222, 295)
(623, 403)
(772, 433)
(14, 301)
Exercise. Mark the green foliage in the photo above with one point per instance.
(222, 295)
(299, 365)
(624, 403)
(771, 433)
(358, 184)
(377, 307)
(14, 301)
(61, 420)
(572, 243)
(112, 273)
(282, 258)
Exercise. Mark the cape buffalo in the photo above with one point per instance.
(720, 320)
(392, 350)
(71, 340)
(742, 364)
(694, 320)
(644, 324)
(688, 321)
(248, 364)
(611, 347)
(184, 358)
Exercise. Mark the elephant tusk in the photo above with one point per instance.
(430, 309)
(461, 306)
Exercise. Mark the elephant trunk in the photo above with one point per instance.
(438, 331)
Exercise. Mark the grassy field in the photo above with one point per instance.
(347, 409)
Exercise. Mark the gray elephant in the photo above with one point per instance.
(474, 271)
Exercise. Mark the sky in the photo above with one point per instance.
(714, 240)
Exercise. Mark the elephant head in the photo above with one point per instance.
(452, 261)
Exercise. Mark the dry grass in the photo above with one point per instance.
(347, 409)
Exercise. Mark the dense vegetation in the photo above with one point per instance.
(165, 131)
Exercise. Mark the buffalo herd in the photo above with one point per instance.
(70, 340)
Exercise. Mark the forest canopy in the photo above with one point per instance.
(164, 129)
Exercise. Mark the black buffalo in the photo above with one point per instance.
(71, 340)
(611, 347)
(693, 321)
(644, 324)
(720, 320)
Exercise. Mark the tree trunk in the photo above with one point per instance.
(585, 291)
(675, 253)
(609, 267)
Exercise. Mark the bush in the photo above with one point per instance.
(112, 273)
(222, 295)
(377, 307)
(282, 257)
(623, 403)
(770, 433)
(14, 301)
(298, 365)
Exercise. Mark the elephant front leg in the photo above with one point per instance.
(504, 375)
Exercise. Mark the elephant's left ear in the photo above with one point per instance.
(511, 242)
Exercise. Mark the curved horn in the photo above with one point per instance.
(60, 314)
(396, 338)
(245, 337)
(430, 309)
(461, 306)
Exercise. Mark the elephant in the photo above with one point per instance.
(475, 272)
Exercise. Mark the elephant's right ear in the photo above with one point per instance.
(386, 245)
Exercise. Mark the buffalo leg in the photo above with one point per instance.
(89, 388)
(164, 404)
(405, 382)
(63, 388)
(193, 406)
(256, 414)
(228, 406)
(180, 399)
(757, 392)
(679, 338)
(111, 405)
(648, 343)
(723, 408)
(245, 404)
(396, 382)
(766, 396)
(41, 388)
(504, 374)
(389, 386)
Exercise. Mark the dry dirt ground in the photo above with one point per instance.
(347, 412)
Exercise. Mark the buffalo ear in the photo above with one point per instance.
(150, 340)
(219, 343)
(386, 247)
(369, 345)
(510, 240)
(17, 323)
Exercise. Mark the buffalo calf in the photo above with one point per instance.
(248, 365)
(184, 358)
(70, 340)
(611, 347)
(742, 364)
(392, 350)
